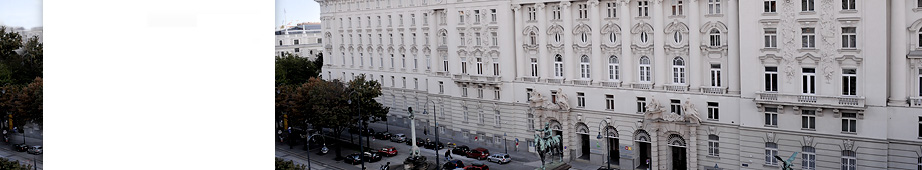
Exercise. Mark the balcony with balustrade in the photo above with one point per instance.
(714, 90)
(478, 79)
(676, 87)
(529, 79)
(840, 102)
(555, 80)
(915, 101)
(581, 82)
(642, 85)
(614, 84)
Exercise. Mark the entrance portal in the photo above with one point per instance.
(642, 140)
(677, 145)
(584, 138)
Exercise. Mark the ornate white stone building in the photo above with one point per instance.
(304, 40)
(686, 84)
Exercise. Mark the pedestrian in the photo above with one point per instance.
(448, 155)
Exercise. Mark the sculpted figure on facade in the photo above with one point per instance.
(654, 110)
(563, 101)
(537, 100)
(691, 113)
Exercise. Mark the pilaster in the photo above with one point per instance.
(521, 62)
(660, 63)
(733, 57)
(597, 60)
(545, 60)
(568, 59)
(898, 50)
(696, 66)
(626, 60)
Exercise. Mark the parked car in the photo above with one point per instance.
(499, 158)
(434, 145)
(20, 147)
(383, 135)
(372, 156)
(419, 142)
(477, 166)
(368, 132)
(461, 150)
(479, 153)
(398, 137)
(353, 159)
(35, 149)
(388, 151)
(453, 164)
(451, 145)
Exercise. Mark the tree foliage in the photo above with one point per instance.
(13, 165)
(292, 69)
(282, 164)
(20, 78)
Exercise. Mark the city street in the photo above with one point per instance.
(520, 159)
(6, 150)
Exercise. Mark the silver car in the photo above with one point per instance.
(499, 158)
(399, 138)
(35, 149)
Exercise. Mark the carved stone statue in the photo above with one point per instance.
(563, 102)
(691, 113)
(547, 144)
(537, 100)
(654, 110)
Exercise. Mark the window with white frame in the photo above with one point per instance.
(425, 18)
(678, 70)
(393, 82)
(495, 93)
(808, 155)
(496, 120)
(715, 38)
(464, 91)
(769, 6)
(444, 17)
(806, 5)
(403, 61)
(461, 35)
(677, 37)
(533, 38)
(644, 69)
(771, 79)
(713, 6)
(583, 10)
(808, 37)
(771, 116)
(428, 62)
(676, 7)
(460, 16)
(713, 145)
(479, 66)
(849, 38)
(771, 150)
(849, 122)
(584, 67)
(848, 5)
(476, 16)
(555, 12)
(771, 38)
(362, 59)
(643, 37)
(531, 14)
(493, 15)
(558, 66)
(477, 38)
(464, 109)
(463, 65)
(445, 63)
(479, 92)
(641, 105)
(849, 82)
(400, 19)
(404, 79)
(611, 9)
(808, 120)
(531, 121)
(415, 83)
(584, 37)
(612, 37)
(849, 160)
(675, 106)
(441, 87)
(809, 81)
(919, 32)
(643, 8)
(715, 75)
(713, 111)
(528, 92)
(494, 38)
(557, 37)
(495, 66)
(609, 102)
(580, 99)
(392, 61)
(534, 68)
(920, 126)
(613, 68)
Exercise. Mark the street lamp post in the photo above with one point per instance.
(607, 143)
(309, 150)
(361, 147)
(436, 131)
(504, 144)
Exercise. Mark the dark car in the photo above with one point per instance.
(461, 150)
(354, 158)
(479, 153)
(453, 164)
(435, 145)
(477, 166)
(383, 135)
(372, 156)
(20, 147)
(388, 151)
(419, 142)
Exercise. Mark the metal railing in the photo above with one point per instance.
(852, 101)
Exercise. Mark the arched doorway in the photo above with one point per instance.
(614, 152)
(558, 130)
(583, 132)
(642, 141)
(677, 145)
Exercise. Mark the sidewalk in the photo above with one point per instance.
(522, 155)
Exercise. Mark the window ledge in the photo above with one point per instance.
(769, 14)
(850, 133)
(769, 165)
(849, 50)
(642, 17)
(807, 129)
(714, 15)
(806, 50)
(807, 13)
(713, 157)
(916, 9)
(709, 119)
(773, 49)
(773, 126)
(848, 11)
(676, 16)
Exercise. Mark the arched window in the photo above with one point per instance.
(612, 37)
(558, 66)
(533, 37)
(585, 37)
(444, 38)
(715, 37)
(920, 35)
(644, 69)
(678, 70)
(584, 67)
(643, 37)
(613, 68)
(557, 37)
(677, 36)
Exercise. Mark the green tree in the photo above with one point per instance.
(366, 107)
(13, 165)
(327, 101)
(21, 61)
(282, 164)
(294, 69)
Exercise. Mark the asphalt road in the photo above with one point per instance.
(6, 150)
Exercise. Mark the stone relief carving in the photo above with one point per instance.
(787, 35)
(827, 31)
(770, 137)
(808, 140)
(848, 144)
(691, 113)
(563, 102)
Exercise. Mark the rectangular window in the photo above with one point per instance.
(676, 106)
(480, 92)
(715, 75)
(809, 81)
(641, 105)
(771, 38)
(464, 108)
(713, 145)
(713, 111)
(493, 15)
(528, 94)
(849, 38)
(808, 37)
(713, 6)
(464, 91)
(771, 79)
(849, 82)
(415, 83)
(553, 96)
(496, 93)
(461, 16)
(297, 42)
(583, 11)
(495, 68)
(808, 119)
(611, 8)
(393, 81)
(445, 63)
(643, 8)
(849, 160)
(441, 87)
(555, 12)
(495, 39)
(808, 155)
(676, 7)
(609, 102)
(463, 66)
(580, 100)
(769, 6)
(848, 5)
(477, 38)
(534, 69)
(497, 121)
(461, 35)
(850, 122)
(476, 16)
(771, 150)
(771, 117)
(404, 82)
(479, 66)
(920, 126)
(806, 5)
(531, 122)
(532, 14)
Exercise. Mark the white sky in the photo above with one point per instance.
(21, 13)
(295, 11)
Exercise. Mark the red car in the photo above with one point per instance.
(389, 151)
(477, 166)
(479, 153)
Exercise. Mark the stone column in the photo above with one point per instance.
(522, 62)
(509, 56)
(545, 60)
(696, 66)
(626, 60)
(654, 148)
(898, 51)
(568, 59)
(660, 63)
(434, 58)
(692, 146)
(734, 47)
(597, 60)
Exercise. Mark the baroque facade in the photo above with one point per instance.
(685, 84)
(304, 40)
